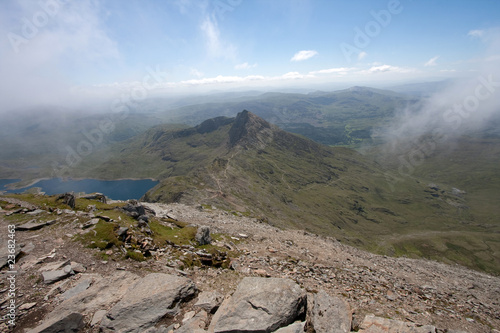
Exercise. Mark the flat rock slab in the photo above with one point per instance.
(261, 305)
(372, 324)
(103, 293)
(32, 225)
(54, 276)
(79, 288)
(54, 266)
(67, 323)
(328, 314)
(147, 301)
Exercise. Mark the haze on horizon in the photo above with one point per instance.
(72, 54)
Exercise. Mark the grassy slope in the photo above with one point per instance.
(469, 164)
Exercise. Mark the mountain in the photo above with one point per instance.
(248, 166)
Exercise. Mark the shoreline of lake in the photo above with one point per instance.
(117, 189)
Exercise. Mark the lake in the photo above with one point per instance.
(115, 189)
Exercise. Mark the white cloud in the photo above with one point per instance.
(476, 33)
(388, 68)
(72, 41)
(362, 55)
(303, 55)
(245, 65)
(339, 70)
(431, 62)
(217, 48)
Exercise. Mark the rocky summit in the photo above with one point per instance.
(146, 267)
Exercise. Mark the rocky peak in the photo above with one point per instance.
(249, 130)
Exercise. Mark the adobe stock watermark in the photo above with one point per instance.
(31, 27)
(364, 36)
(120, 108)
(453, 116)
(223, 6)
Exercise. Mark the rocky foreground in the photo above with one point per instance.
(266, 280)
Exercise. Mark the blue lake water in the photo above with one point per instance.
(115, 189)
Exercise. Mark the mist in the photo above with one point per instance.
(469, 105)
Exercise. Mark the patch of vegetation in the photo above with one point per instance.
(174, 235)
(103, 236)
(137, 256)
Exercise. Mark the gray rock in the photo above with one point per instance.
(66, 322)
(28, 248)
(260, 305)
(209, 301)
(297, 327)
(90, 223)
(103, 293)
(328, 314)
(144, 218)
(32, 225)
(147, 301)
(203, 235)
(54, 276)
(77, 267)
(372, 324)
(35, 212)
(68, 199)
(79, 288)
(134, 209)
(122, 232)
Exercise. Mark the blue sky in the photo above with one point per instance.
(56, 51)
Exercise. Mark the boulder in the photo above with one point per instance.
(372, 324)
(327, 314)
(134, 209)
(102, 294)
(147, 301)
(66, 322)
(260, 305)
(203, 235)
(67, 199)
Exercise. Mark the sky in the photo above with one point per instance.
(62, 52)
